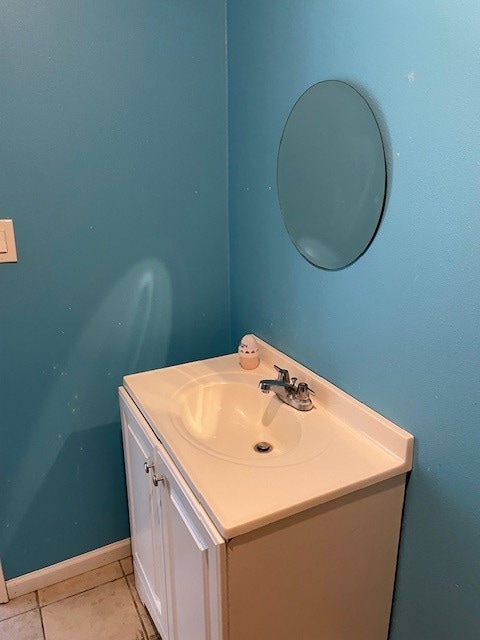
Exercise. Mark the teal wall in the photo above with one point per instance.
(113, 167)
(399, 329)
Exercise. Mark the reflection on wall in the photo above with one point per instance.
(78, 418)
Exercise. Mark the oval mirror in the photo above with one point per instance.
(331, 174)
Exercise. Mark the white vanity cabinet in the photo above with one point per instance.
(178, 555)
(300, 544)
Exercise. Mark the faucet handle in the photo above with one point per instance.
(283, 374)
(303, 391)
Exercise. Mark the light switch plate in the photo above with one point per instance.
(8, 249)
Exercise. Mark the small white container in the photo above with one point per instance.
(248, 352)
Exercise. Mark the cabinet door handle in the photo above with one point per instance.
(156, 479)
(147, 467)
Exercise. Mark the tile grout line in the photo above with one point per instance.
(37, 599)
(21, 613)
(72, 595)
(144, 628)
(123, 570)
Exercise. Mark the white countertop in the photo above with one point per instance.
(362, 447)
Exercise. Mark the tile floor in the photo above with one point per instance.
(99, 605)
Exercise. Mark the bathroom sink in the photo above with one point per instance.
(229, 417)
(210, 414)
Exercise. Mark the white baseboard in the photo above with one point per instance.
(68, 568)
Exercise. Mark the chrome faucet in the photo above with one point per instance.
(297, 396)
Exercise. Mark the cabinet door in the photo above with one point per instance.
(196, 558)
(145, 509)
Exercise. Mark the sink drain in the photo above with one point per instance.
(262, 447)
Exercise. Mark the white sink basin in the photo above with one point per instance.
(228, 415)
